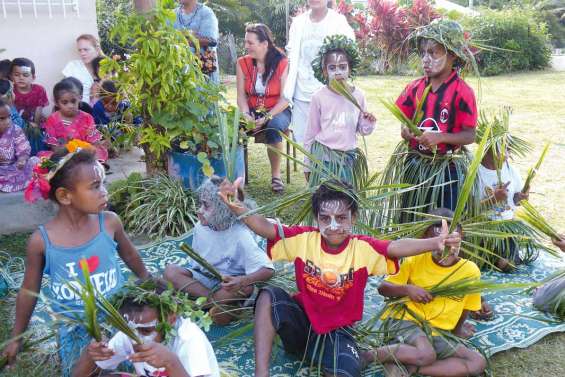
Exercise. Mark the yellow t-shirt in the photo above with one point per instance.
(441, 312)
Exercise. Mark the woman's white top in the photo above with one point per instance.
(77, 69)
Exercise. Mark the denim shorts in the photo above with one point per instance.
(336, 351)
(280, 122)
(71, 340)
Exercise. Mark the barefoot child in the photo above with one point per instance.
(227, 244)
(173, 345)
(30, 100)
(81, 232)
(334, 122)
(411, 346)
(70, 123)
(15, 163)
(331, 268)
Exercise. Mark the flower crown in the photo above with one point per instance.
(45, 170)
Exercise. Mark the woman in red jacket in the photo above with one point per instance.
(261, 75)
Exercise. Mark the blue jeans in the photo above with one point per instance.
(280, 122)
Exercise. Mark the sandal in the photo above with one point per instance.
(485, 314)
(277, 185)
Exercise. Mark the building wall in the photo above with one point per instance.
(48, 41)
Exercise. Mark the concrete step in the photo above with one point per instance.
(16, 215)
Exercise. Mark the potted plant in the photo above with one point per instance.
(161, 77)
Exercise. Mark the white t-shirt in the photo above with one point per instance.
(488, 181)
(78, 70)
(190, 345)
(233, 251)
(312, 39)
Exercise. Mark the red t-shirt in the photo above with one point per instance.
(450, 108)
(29, 102)
(331, 283)
(274, 83)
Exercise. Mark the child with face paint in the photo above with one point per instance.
(184, 351)
(332, 266)
(449, 113)
(335, 122)
(411, 347)
(227, 244)
(81, 233)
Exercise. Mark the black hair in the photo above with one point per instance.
(334, 190)
(274, 54)
(75, 82)
(66, 85)
(5, 86)
(446, 213)
(3, 103)
(5, 66)
(22, 62)
(64, 176)
(109, 88)
(96, 67)
(129, 303)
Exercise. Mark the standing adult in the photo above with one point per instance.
(82, 69)
(306, 36)
(201, 21)
(261, 76)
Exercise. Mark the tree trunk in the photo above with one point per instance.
(153, 164)
(144, 6)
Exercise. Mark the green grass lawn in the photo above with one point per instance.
(538, 116)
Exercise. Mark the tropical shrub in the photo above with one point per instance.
(519, 38)
(121, 192)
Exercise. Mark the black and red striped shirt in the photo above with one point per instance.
(450, 108)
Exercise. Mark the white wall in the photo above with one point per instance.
(48, 42)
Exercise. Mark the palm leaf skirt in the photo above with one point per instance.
(430, 176)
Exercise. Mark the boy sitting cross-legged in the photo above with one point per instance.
(411, 347)
(331, 269)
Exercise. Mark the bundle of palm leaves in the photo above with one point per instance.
(411, 123)
(530, 215)
(343, 89)
(28, 345)
(533, 171)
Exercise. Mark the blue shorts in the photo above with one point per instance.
(280, 122)
(335, 351)
(71, 341)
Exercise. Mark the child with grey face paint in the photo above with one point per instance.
(227, 244)
(332, 266)
(334, 122)
(420, 354)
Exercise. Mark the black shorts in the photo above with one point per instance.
(336, 351)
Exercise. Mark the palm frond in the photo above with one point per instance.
(533, 171)
(530, 215)
(201, 261)
(342, 88)
(28, 345)
(88, 296)
(400, 116)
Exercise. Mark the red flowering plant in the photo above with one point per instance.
(38, 187)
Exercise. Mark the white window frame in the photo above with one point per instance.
(40, 7)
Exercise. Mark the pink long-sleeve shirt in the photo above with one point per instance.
(335, 122)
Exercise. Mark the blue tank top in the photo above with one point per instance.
(63, 265)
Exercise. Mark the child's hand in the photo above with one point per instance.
(11, 351)
(155, 354)
(430, 139)
(453, 240)
(406, 134)
(418, 294)
(99, 351)
(560, 243)
(233, 283)
(369, 117)
(501, 192)
(228, 192)
(519, 196)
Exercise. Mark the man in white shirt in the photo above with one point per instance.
(306, 36)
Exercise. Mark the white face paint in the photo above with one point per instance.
(337, 66)
(334, 216)
(148, 338)
(434, 57)
(205, 212)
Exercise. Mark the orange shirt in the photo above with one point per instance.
(273, 88)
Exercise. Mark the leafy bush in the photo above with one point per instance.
(161, 206)
(106, 16)
(121, 193)
(518, 30)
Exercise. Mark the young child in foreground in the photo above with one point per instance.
(331, 268)
(227, 244)
(335, 122)
(81, 232)
(176, 348)
(411, 347)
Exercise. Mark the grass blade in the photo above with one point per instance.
(533, 171)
